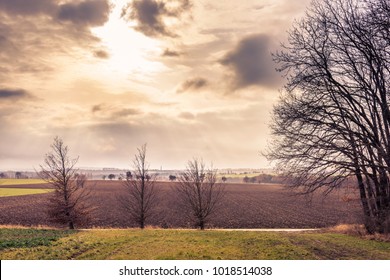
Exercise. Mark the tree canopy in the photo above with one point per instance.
(332, 121)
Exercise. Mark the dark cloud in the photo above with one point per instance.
(150, 15)
(251, 63)
(87, 13)
(101, 54)
(193, 84)
(171, 53)
(27, 8)
(13, 94)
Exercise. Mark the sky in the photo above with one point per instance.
(192, 79)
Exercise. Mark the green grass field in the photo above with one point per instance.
(184, 245)
(18, 192)
(11, 182)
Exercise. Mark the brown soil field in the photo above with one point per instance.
(244, 206)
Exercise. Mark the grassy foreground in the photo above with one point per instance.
(184, 244)
(17, 192)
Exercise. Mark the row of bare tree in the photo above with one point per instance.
(197, 189)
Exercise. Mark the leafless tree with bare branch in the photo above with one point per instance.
(68, 203)
(141, 196)
(198, 190)
(333, 120)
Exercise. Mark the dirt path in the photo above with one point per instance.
(268, 229)
(220, 229)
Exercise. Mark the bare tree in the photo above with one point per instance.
(67, 204)
(333, 120)
(141, 195)
(199, 191)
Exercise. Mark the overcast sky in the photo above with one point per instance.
(189, 78)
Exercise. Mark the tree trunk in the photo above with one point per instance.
(363, 198)
(201, 224)
(142, 224)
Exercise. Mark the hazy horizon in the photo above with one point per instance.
(189, 78)
(130, 167)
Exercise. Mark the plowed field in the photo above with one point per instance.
(244, 206)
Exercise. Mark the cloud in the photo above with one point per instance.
(97, 108)
(260, 7)
(126, 112)
(3, 42)
(110, 112)
(101, 54)
(87, 13)
(193, 84)
(251, 63)
(33, 32)
(173, 140)
(171, 53)
(14, 94)
(151, 15)
(27, 8)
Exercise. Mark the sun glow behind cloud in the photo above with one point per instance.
(168, 73)
(130, 53)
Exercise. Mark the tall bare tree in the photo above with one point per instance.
(333, 120)
(68, 203)
(199, 191)
(141, 195)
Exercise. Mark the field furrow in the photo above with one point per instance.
(244, 206)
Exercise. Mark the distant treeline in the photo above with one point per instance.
(279, 179)
(264, 178)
